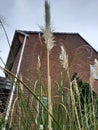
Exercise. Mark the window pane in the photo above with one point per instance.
(94, 71)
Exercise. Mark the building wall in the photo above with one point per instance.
(80, 54)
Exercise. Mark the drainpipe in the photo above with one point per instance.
(14, 85)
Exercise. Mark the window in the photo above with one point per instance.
(94, 71)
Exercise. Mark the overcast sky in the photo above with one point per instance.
(79, 16)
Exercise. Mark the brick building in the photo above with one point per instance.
(80, 54)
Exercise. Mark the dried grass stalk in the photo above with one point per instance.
(49, 41)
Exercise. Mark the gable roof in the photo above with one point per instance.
(16, 44)
(19, 37)
(80, 55)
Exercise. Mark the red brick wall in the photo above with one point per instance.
(79, 52)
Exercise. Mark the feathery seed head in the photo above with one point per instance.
(39, 63)
(91, 80)
(75, 86)
(47, 31)
(47, 14)
(63, 58)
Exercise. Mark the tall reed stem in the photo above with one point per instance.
(49, 91)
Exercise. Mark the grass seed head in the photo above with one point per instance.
(63, 58)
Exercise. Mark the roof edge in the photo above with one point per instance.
(87, 43)
(36, 32)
